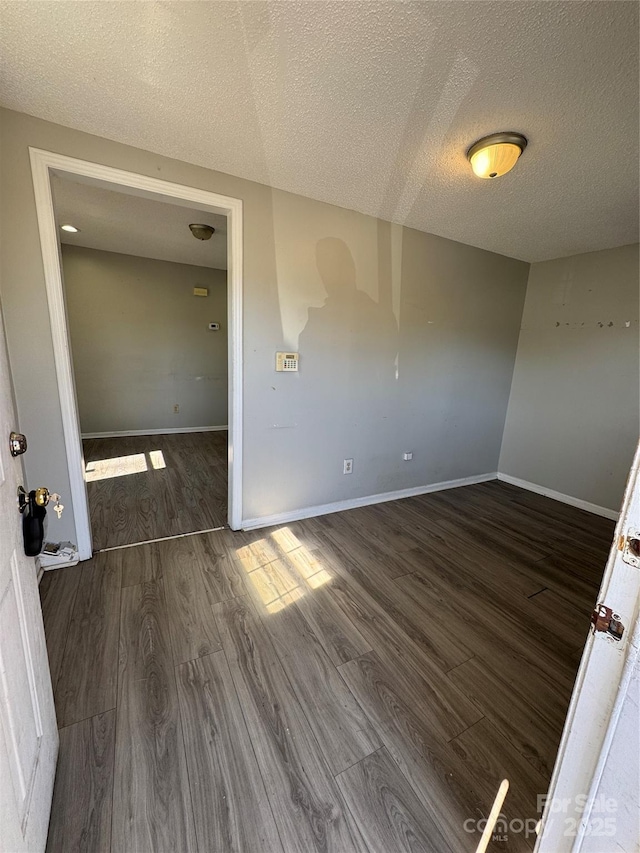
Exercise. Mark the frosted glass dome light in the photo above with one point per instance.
(497, 154)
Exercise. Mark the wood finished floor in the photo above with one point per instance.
(357, 682)
(148, 486)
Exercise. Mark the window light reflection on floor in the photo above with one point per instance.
(122, 466)
(284, 600)
(286, 540)
(276, 572)
(117, 466)
(157, 459)
(274, 583)
(302, 560)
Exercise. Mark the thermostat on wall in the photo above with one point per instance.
(214, 327)
(287, 361)
(200, 291)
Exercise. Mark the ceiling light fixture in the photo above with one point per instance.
(202, 232)
(71, 228)
(496, 154)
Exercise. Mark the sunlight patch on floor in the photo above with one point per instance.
(117, 466)
(284, 600)
(122, 466)
(307, 566)
(285, 540)
(157, 459)
(281, 569)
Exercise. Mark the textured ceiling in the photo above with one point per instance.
(132, 225)
(367, 105)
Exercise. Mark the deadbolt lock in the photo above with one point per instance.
(17, 443)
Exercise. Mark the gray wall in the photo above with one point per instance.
(407, 340)
(572, 423)
(141, 343)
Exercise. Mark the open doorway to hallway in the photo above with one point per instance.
(146, 307)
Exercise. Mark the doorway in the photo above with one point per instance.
(146, 304)
(190, 495)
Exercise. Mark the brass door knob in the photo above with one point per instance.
(42, 496)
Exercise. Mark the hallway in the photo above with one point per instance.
(149, 486)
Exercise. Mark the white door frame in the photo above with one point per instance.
(43, 165)
(598, 698)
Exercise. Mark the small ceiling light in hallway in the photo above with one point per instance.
(202, 232)
(495, 155)
(70, 228)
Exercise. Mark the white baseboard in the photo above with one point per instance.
(558, 496)
(66, 565)
(163, 431)
(354, 503)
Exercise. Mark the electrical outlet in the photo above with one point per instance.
(348, 466)
(176, 409)
(408, 456)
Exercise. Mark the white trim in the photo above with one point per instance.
(42, 164)
(596, 701)
(622, 697)
(558, 496)
(61, 352)
(124, 433)
(367, 500)
(62, 565)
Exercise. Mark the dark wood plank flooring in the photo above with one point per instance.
(151, 794)
(85, 777)
(357, 682)
(148, 486)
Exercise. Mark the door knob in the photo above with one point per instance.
(33, 505)
(40, 497)
(33, 512)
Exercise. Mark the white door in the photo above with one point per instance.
(28, 731)
(594, 797)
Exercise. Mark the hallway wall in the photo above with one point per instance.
(141, 343)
